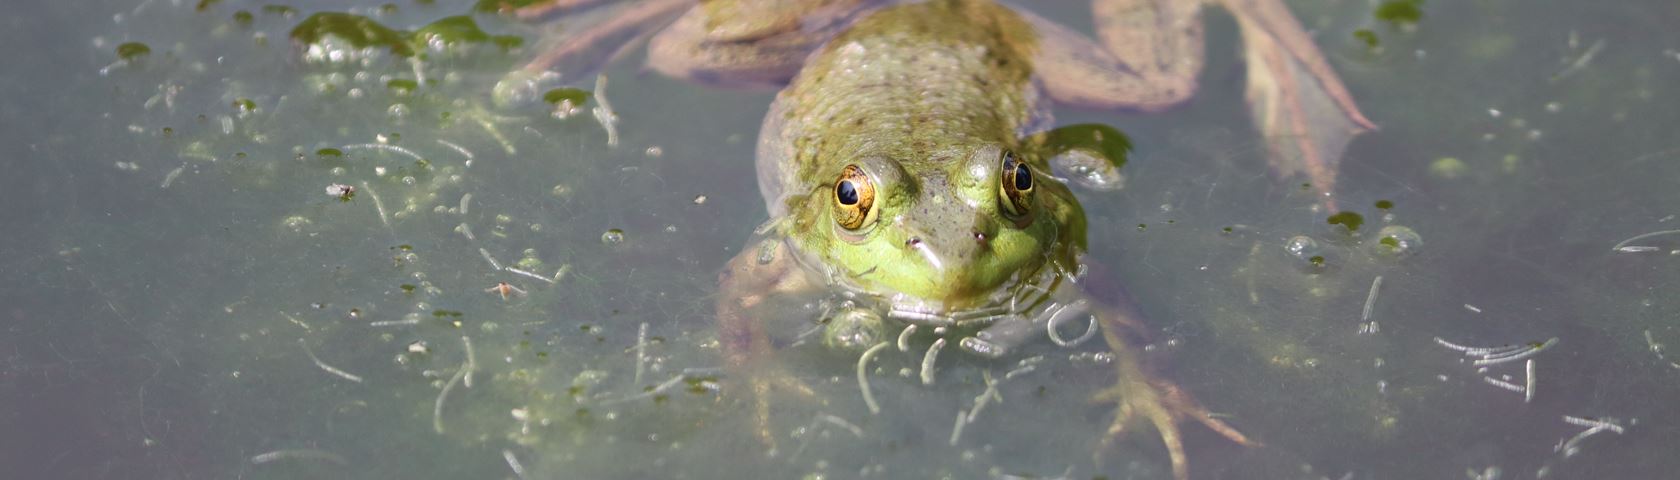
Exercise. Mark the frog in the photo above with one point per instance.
(908, 182)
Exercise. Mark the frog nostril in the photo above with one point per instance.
(913, 241)
(980, 237)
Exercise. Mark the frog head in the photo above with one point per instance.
(946, 231)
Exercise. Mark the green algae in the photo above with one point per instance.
(1349, 220)
(363, 32)
(461, 29)
(1400, 12)
(574, 95)
(1102, 140)
(360, 31)
(131, 51)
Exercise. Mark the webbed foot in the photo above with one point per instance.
(763, 383)
(1164, 405)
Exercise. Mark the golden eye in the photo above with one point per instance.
(1016, 192)
(854, 197)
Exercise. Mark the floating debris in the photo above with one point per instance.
(1486, 356)
(1606, 422)
(1657, 348)
(1055, 321)
(466, 201)
(493, 263)
(1503, 384)
(928, 359)
(1528, 384)
(329, 368)
(1582, 61)
(806, 433)
(612, 236)
(603, 111)
(985, 396)
(686, 375)
(513, 463)
(1490, 473)
(458, 149)
(1027, 365)
(466, 231)
(437, 407)
(472, 361)
(297, 322)
(1521, 353)
(1366, 325)
(956, 430)
(1572, 446)
(863, 376)
(700, 200)
(1623, 247)
(840, 422)
(503, 288)
(377, 205)
(1371, 298)
(298, 454)
(169, 179)
(529, 274)
(395, 323)
(1472, 308)
(384, 147)
(341, 191)
(641, 352)
(1019, 371)
(1475, 350)
(904, 337)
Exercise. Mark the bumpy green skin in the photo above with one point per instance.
(925, 98)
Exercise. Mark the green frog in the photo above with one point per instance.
(907, 179)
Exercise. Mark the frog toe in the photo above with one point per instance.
(763, 387)
(1164, 405)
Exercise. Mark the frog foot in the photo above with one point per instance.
(1164, 405)
(763, 383)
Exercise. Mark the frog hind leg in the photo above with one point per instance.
(1151, 51)
(748, 43)
(1153, 54)
(1137, 392)
(1297, 102)
(580, 54)
(754, 275)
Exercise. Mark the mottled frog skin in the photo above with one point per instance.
(904, 181)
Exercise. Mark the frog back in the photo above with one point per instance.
(906, 81)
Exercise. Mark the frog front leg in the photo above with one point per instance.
(759, 273)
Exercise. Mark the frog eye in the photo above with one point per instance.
(1016, 193)
(854, 198)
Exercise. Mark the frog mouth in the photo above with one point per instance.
(1015, 300)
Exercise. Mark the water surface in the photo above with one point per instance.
(172, 260)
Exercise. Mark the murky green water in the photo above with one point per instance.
(172, 259)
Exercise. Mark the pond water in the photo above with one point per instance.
(189, 291)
